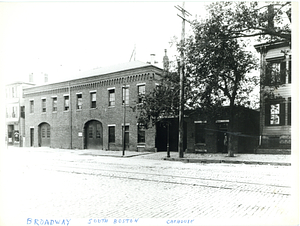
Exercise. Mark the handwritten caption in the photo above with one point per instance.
(48, 222)
(32, 221)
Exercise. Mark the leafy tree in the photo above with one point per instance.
(217, 66)
(160, 103)
(267, 20)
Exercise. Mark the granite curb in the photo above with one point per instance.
(190, 160)
(255, 159)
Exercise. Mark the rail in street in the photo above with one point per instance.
(66, 184)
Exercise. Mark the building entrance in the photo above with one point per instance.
(31, 137)
(44, 135)
(162, 133)
(222, 141)
(10, 134)
(93, 135)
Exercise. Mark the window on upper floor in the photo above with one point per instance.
(44, 107)
(79, 101)
(125, 95)
(54, 103)
(275, 112)
(14, 112)
(31, 106)
(278, 73)
(93, 99)
(141, 93)
(66, 103)
(111, 97)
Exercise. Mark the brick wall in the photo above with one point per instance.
(70, 125)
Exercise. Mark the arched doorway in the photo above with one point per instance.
(93, 135)
(44, 135)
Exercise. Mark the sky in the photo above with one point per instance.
(63, 38)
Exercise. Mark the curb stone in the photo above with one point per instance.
(227, 161)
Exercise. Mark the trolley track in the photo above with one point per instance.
(162, 177)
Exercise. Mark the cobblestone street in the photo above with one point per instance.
(64, 184)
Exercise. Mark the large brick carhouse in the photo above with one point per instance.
(275, 97)
(88, 112)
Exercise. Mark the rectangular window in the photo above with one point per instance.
(125, 95)
(14, 112)
(66, 103)
(54, 104)
(141, 134)
(111, 97)
(200, 133)
(141, 93)
(93, 99)
(111, 134)
(31, 106)
(275, 73)
(79, 101)
(275, 112)
(44, 105)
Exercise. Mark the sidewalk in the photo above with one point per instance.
(265, 159)
(260, 159)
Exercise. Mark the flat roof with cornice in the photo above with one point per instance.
(106, 73)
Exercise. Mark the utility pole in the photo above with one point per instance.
(70, 109)
(184, 13)
(124, 117)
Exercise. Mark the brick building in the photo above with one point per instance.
(275, 97)
(88, 112)
(204, 134)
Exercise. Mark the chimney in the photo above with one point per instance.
(271, 17)
(152, 56)
(152, 59)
